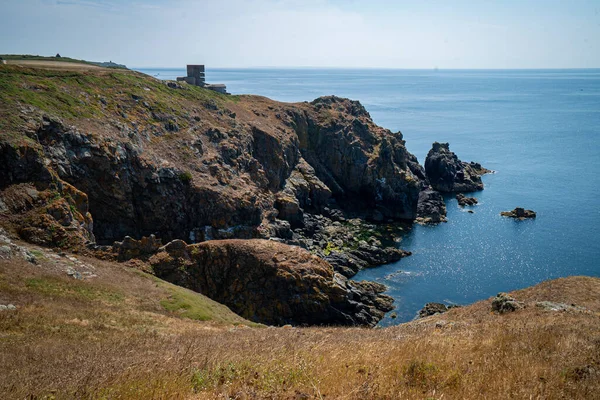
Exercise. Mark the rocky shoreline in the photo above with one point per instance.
(242, 177)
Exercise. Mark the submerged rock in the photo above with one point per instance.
(519, 213)
(446, 173)
(271, 283)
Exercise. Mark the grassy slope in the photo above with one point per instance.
(27, 57)
(113, 336)
(95, 96)
(16, 58)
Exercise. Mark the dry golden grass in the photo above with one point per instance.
(54, 65)
(111, 338)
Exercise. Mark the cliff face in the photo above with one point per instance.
(101, 155)
(183, 162)
(271, 283)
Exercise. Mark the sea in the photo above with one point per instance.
(538, 129)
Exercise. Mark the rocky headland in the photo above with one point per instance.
(254, 209)
(431, 208)
(116, 164)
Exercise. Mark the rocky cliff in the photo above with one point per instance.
(94, 156)
(181, 162)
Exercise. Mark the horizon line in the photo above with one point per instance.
(384, 68)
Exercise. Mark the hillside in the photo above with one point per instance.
(124, 334)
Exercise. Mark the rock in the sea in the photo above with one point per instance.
(446, 173)
(431, 208)
(519, 213)
(272, 283)
(465, 201)
(504, 303)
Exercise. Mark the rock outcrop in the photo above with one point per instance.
(271, 283)
(432, 309)
(504, 303)
(41, 208)
(446, 173)
(182, 164)
(431, 208)
(519, 213)
(131, 248)
(465, 201)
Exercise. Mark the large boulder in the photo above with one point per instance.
(446, 173)
(272, 283)
(431, 208)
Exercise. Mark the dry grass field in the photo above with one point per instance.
(126, 335)
(54, 65)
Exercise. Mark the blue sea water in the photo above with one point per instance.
(539, 129)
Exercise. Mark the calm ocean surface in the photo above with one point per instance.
(539, 129)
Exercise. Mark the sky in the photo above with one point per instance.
(413, 34)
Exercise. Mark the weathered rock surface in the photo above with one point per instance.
(131, 248)
(271, 283)
(504, 303)
(560, 307)
(446, 173)
(348, 244)
(519, 213)
(431, 208)
(432, 309)
(51, 213)
(465, 201)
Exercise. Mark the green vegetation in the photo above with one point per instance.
(185, 177)
(50, 286)
(101, 95)
(30, 57)
(188, 304)
(273, 377)
(330, 247)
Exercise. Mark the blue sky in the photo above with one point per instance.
(319, 33)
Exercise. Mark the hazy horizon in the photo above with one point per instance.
(382, 34)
